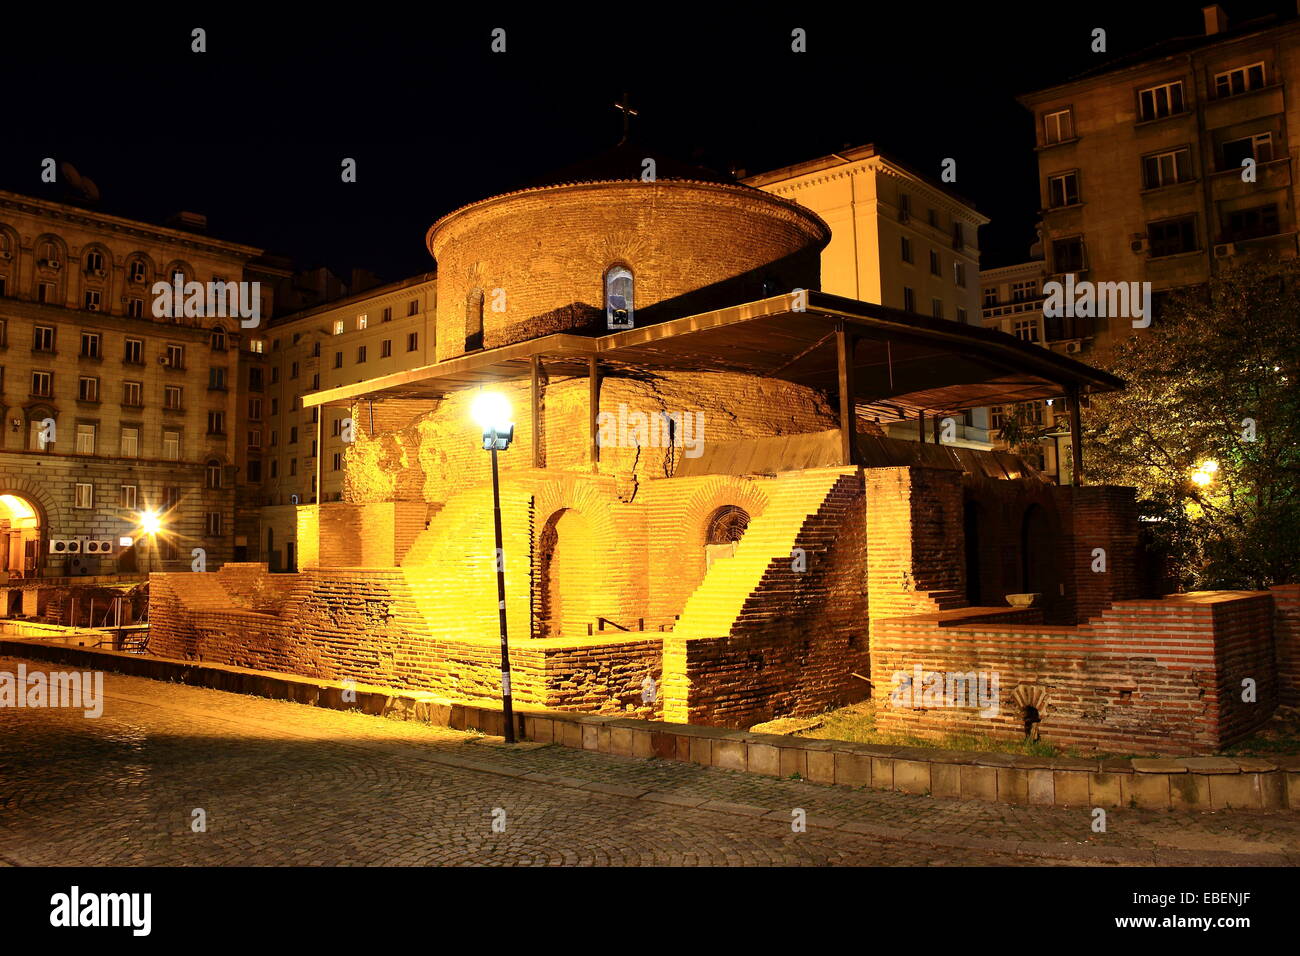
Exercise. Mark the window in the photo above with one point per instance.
(388, 313)
(254, 470)
(216, 423)
(45, 292)
(386, 348)
(255, 379)
(1172, 236)
(85, 495)
(4, 288)
(315, 350)
(315, 381)
(175, 357)
(959, 274)
(275, 468)
(255, 438)
(39, 438)
(43, 384)
(257, 346)
(87, 389)
(130, 441)
(85, 438)
(990, 297)
(1024, 290)
(907, 249)
(128, 497)
(1251, 223)
(171, 497)
(1165, 169)
(361, 354)
(909, 300)
(212, 524)
(275, 438)
(619, 311)
(43, 338)
(1062, 190)
(293, 466)
(135, 308)
(1156, 102)
(1258, 147)
(338, 326)
(904, 207)
(212, 475)
(1027, 330)
(1240, 80)
(217, 378)
(135, 270)
(934, 264)
(338, 461)
(293, 370)
(962, 316)
(217, 338)
(173, 397)
(413, 307)
(171, 445)
(90, 345)
(293, 434)
(936, 308)
(90, 300)
(315, 415)
(1067, 254)
(134, 352)
(255, 409)
(412, 341)
(363, 320)
(95, 262)
(1058, 127)
(275, 374)
(958, 236)
(338, 359)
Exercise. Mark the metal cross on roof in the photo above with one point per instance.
(626, 107)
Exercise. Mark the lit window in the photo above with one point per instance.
(619, 312)
(85, 439)
(338, 326)
(130, 442)
(172, 445)
(363, 320)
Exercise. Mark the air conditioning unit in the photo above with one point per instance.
(79, 567)
(1223, 250)
(97, 546)
(65, 546)
(50, 264)
(6, 255)
(163, 360)
(1073, 347)
(1138, 244)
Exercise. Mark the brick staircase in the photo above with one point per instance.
(804, 511)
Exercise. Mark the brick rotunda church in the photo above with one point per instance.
(703, 495)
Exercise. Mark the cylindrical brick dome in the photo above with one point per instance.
(534, 262)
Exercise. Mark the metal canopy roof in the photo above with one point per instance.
(903, 363)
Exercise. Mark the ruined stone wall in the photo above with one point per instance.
(1153, 676)
(547, 251)
(429, 454)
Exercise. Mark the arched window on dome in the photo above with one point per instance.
(618, 297)
(474, 321)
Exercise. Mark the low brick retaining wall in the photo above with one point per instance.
(1185, 783)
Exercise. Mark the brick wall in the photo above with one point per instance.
(1286, 603)
(1145, 676)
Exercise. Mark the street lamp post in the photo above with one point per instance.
(492, 412)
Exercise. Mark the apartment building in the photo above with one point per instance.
(383, 330)
(1166, 166)
(897, 239)
(110, 411)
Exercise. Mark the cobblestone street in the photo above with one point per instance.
(282, 783)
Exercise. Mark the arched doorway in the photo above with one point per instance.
(20, 531)
(564, 576)
(723, 533)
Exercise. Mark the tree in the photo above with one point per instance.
(1208, 430)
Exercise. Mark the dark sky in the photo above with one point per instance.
(252, 133)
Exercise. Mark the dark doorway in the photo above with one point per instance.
(971, 529)
(1037, 555)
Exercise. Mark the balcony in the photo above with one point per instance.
(1226, 184)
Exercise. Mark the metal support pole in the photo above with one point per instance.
(1076, 437)
(844, 345)
(537, 410)
(593, 408)
(507, 707)
(320, 454)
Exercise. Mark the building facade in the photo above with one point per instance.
(111, 411)
(1167, 166)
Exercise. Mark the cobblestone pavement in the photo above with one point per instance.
(283, 783)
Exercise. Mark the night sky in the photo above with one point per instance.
(252, 133)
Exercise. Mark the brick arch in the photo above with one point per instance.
(586, 509)
(718, 493)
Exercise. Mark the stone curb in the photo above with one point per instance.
(1188, 783)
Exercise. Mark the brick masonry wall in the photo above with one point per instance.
(548, 251)
(1286, 602)
(1146, 676)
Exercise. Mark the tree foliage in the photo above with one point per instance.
(1213, 381)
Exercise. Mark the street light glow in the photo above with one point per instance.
(491, 411)
(150, 522)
